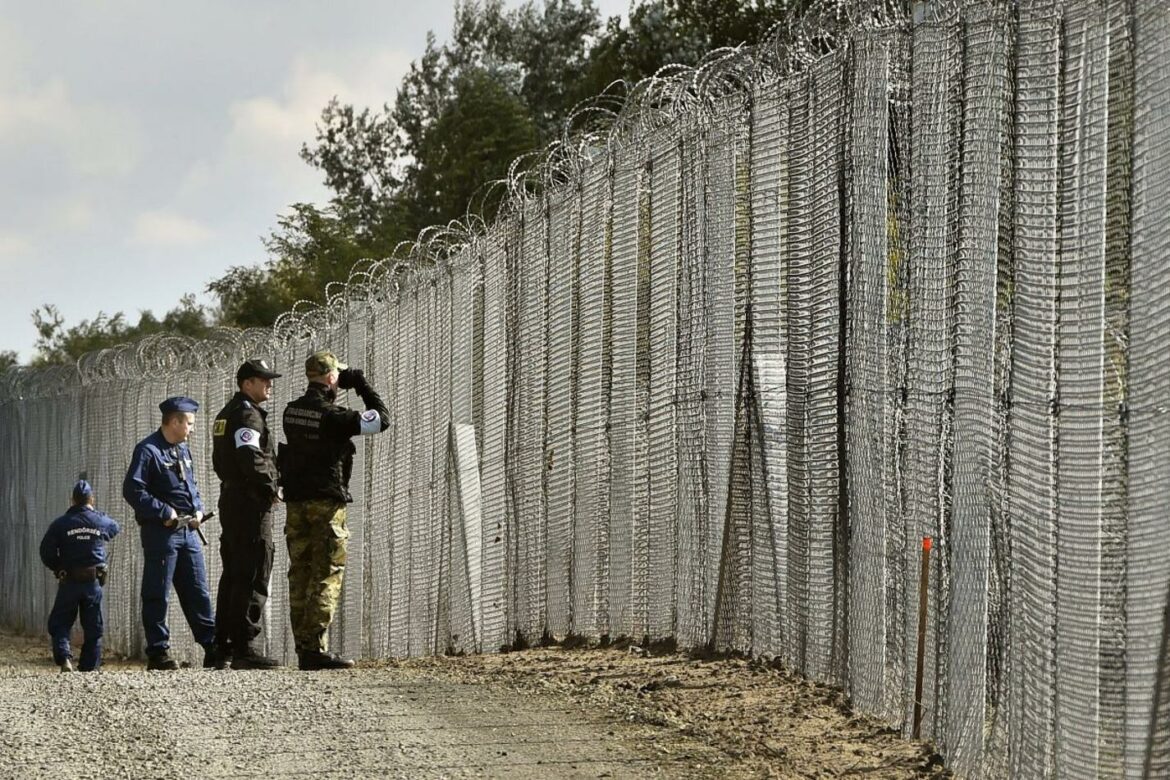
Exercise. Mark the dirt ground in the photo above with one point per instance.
(767, 722)
(545, 712)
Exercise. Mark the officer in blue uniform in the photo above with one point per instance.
(74, 548)
(160, 486)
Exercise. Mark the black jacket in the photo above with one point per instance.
(243, 453)
(317, 460)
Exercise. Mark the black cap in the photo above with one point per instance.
(255, 367)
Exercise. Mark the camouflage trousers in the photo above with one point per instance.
(316, 535)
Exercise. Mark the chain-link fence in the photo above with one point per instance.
(727, 356)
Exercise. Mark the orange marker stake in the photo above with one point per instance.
(923, 585)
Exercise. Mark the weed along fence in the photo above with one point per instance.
(721, 365)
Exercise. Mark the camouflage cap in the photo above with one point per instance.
(323, 362)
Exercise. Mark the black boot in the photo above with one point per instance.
(311, 661)
(161, 662)
(215, 657)
(251, 659)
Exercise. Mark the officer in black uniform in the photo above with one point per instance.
(244, 458)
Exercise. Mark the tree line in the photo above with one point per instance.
(501, 86)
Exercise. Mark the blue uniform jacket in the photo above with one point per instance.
(161, 478)
(77, 538)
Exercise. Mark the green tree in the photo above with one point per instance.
(8, 359)
(397, 170)
(676, 32)
(464, 112)
(57, 343)
(712, 24)
(549, 48)
(311, 248)
(480, 131)
(502, 85)
(401, 169)
(249, 296)
(359, 153)
(633, 51)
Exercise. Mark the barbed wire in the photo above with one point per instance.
(623, 114)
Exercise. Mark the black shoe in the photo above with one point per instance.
(216, 658)
(312, 661)
(161, 662)
(250, 660)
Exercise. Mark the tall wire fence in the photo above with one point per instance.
(730, 351)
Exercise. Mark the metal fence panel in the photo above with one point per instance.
(870, 451)
(563, 248)
(1148, 581)
(1080, 377)
(712, 374)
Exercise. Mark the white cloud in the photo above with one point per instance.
(75, 214)
(96, 140)
(14, 244)
(20, 112)
(130, 131)
(15, 49)
(368, 81)
(267, 131)
(163, 229)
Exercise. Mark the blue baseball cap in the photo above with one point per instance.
(179, 403)
(82, 491)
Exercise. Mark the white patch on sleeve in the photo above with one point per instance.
(246, 437)
(371, 422)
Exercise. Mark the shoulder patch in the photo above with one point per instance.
(247, 437)
(371, 422)
(220, 428)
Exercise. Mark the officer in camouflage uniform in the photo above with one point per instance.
(244, 458)
(315, 467)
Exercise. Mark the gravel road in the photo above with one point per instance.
(540, 713)
(127, 723)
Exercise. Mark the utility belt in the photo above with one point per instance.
(240, 489)
(159, 521)
(85, 574)
(244, 499)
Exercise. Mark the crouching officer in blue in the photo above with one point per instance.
(314, 470)
(74, 548)
(244, 457)
(160, 486)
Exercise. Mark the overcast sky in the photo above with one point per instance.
(147, 146)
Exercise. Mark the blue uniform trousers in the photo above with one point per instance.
(74, 597)
(176, 556)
